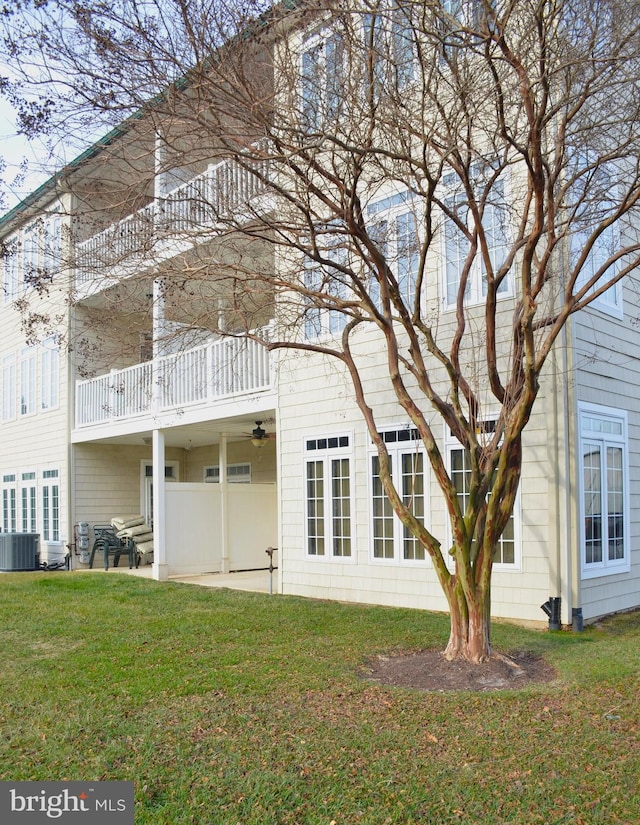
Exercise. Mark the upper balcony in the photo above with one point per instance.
(170, 224)
(185, 386)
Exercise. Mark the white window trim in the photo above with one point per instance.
(7, 487)
(389, 210)
(451, 442)
(475, 295)
(146, 483)
(28, 484)
(49, 376)
(396, 450)
(9, 387)
(231, 479)
(605, 567)
(50, 482)
(326, 455)
(28, 381)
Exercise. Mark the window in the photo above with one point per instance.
(329, 504)
(28, 502)
(604, 494)
(594, 195)
(236, 473)
(507, 550)
(50, 506)
(325, 280)
(8, 388)
(394, 228)
(391, 540)
(9, 503)
(28, 381)
(456, 246)
(323, 77)
(388, 35)
(11, 271)
(30, 257)
(49, 374)
(52, 243)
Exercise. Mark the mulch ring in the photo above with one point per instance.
(428, 670)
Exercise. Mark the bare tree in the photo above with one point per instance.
(507, 130)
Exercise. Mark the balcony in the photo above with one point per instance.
(196, 378)
(194, 207)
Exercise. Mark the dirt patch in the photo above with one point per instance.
(429, 670)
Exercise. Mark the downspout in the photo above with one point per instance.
(69, 362)
(572, 537)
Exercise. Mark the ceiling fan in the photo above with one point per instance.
(259, 436)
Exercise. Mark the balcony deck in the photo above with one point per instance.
(187, 213)
(198, 379)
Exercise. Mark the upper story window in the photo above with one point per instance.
(393, 226)
(52, 245)
(11, 271)
(49, 374)
(593, 199)
(8, 387)
(460, 226)
(605, 491)
(325, 283)
(28, 381)
(323, 75)
(33, 255)
(389, 43)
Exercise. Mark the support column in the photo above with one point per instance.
(224, 524)
(160, 565)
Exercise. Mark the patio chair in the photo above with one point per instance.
(108, 543)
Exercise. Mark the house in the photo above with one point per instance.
(148, 390)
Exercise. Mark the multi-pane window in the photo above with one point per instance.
(9, 503)
(592, 198)
(28, 502)
(236, 473)
(388, 36)
(603, 435)
(28, 381)
(324, 283)
(506, 551)
(391, 540)
(52, 245)
(11, 271)
(323, 77)
(30, 256)
(8, 387)
(394, 228)
(49, 375)
(328, 497)
(50, 506)
(459, 227)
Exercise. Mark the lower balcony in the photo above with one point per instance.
(193, 381)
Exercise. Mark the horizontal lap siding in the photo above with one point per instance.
(608, 373)
(316, 400)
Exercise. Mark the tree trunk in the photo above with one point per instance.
(469, 637)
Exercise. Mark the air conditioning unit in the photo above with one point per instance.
(19, 551)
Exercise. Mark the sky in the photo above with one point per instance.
(13, 150)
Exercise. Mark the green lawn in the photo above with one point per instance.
(231, 708)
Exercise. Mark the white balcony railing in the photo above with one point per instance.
(221, 190)
(206, 374)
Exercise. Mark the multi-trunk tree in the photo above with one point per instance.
(502, 137)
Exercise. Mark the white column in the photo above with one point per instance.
(160, 566)
(224, 524)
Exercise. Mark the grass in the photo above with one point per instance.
(231, 708)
